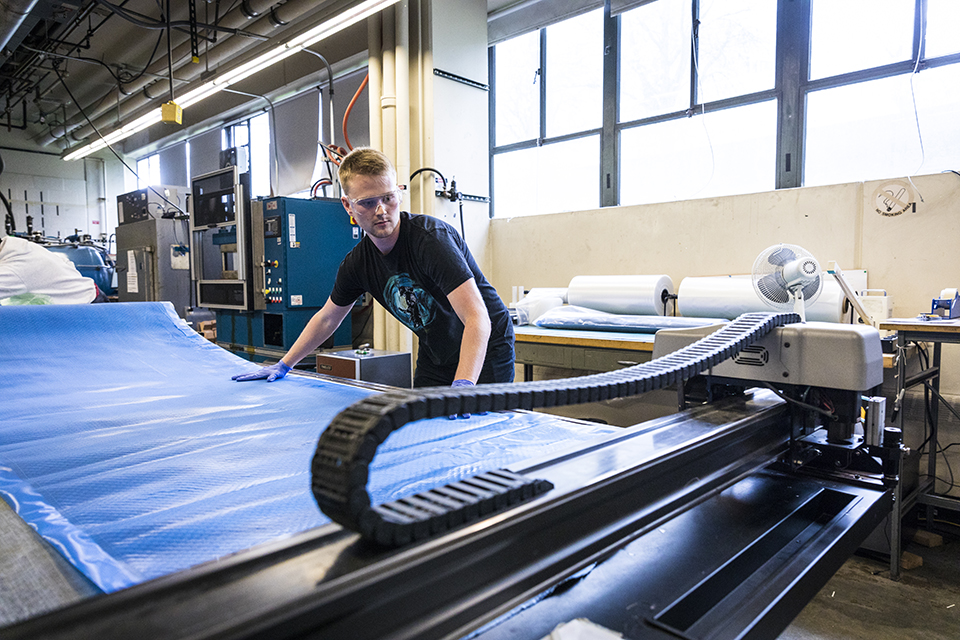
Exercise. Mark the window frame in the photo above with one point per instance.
(792, 84)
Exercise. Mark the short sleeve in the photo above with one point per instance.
(444, 261)
(346, 288)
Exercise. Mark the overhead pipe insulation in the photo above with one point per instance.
(185, 71)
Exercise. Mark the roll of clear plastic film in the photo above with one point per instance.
(634, 295)
(731, 296)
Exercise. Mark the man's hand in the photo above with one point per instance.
(271, 373)
(461, 383)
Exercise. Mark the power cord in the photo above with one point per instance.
(56, 69)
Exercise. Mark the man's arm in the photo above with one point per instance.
(320, 327)
(469, 307)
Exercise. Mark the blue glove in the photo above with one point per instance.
(271, 373)
(461, 383)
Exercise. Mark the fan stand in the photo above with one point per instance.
(799, 307)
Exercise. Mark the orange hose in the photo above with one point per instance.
(346, 114)
(327, 148)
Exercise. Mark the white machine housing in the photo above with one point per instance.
(821, 354)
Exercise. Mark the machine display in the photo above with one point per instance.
(219, 245)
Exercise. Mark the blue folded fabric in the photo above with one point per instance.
(126, 445)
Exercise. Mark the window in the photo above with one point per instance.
(655, 60)
(574, 75)
(547, 125)
(941, 28)
(858, 34)
(678, 99)
(248, 143)
(868, 130)
(148, 171)
(736, 53)
(518, 71)
(674, 148)
(551, 178)
(722, 153)
(891, 116)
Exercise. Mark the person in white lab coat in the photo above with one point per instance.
(30, 274)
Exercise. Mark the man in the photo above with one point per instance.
(421, 271)
(29, 274)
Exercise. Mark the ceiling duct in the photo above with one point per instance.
(12, 15)
(227, 47)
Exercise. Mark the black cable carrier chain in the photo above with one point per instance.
(347, 447)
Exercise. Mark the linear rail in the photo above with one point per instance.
(346, 448)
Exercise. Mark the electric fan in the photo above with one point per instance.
(786, 276)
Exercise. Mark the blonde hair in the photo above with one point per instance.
(364, 161)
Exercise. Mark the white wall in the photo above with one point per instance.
(457, 127)
(911, 255)
(62, 197)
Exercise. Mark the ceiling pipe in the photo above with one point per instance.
(12, 15)
(185, 70)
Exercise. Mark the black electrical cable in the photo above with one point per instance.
(927, 409)
(144, 21)
(149, 62)
(321, 182)
(112, 150)
(10, 223)
(77, 58)
(431, 169)
(334, 150)
(802, 405)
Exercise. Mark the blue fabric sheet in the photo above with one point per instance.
(125, 444)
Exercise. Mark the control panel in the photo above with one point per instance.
(296, 248)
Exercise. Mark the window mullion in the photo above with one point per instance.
(609, 148)
(492, 125)
(694, 51)
(919, 30)
(793, 47)
(543, 86)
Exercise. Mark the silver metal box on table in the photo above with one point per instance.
(370, 365)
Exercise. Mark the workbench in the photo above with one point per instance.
(937, 332)
(578, 349)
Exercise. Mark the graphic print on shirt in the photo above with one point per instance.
(409, 302)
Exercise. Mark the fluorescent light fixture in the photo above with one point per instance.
(125, 131)
(339, 22)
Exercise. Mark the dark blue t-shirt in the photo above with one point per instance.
(413, 281)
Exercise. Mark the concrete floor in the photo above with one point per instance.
(861, 602)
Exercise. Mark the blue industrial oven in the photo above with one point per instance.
(297, 247)
(267, 266)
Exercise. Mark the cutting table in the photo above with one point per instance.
(578, 349)
(703, 524)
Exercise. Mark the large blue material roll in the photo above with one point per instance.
(125, 444)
